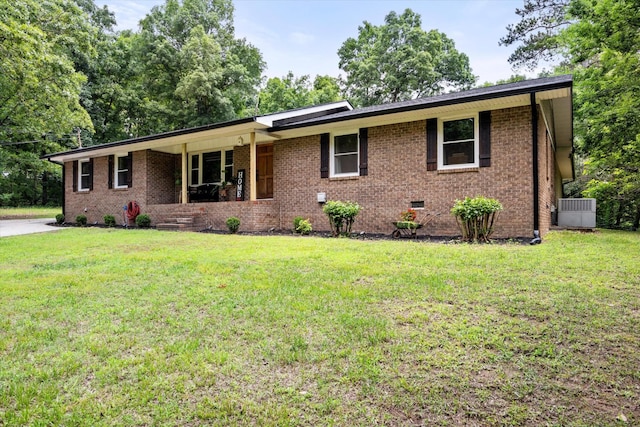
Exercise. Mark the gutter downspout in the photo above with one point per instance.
(536, 184)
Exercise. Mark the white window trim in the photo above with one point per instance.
(476, 141)
(332, 163)
(80, 187)
(116, 180)
(198, 168)
(222, 163)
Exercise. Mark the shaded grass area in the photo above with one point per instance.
(29, 212)
(114, 327)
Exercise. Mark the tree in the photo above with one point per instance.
(191, 68)
(39, 90)
(289, 92)
(398, 61)
(599, 41)
(539, 29)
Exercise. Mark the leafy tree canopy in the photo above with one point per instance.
(191, 68)
(289, 92)
(39, 90)
(599, 41)
(398, 60)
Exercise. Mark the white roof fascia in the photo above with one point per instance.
(268, 119)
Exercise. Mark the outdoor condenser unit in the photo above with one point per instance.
(577, 213)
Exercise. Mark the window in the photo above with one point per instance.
(122, 165)
(458, 143)
(211, 167)
(344, 154)
(84, 175)
(195, 169)
(208, 168)
(228, 165)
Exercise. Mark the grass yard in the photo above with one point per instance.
(29, 212)
(113, 327)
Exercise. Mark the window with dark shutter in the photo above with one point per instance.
(324, 155)
(485, 138)
(432, 144)
(364, 151)
(84, 175)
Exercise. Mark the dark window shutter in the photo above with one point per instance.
(129, 169)
(432, 144)
(364, 151)
(485, 138)
(324, 155)
(75, 175)
(111, 166)
(91, 174)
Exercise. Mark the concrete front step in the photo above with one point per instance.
(174, 226)
(180, 223)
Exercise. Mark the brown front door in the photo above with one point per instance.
(264, 171)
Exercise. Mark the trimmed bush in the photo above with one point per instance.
(233, 224)
(59, 219)
(304, 227)
(109, 220)
(296, 223)
(341, 216)
(476, 217)
(143, 221)
(81, 220)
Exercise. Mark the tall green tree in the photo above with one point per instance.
(39, 90)
(537, 35)
(599, 41)
(192, 70)
(399, 60)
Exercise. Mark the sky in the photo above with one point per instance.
(303, 36)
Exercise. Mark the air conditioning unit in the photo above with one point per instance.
(577, 213)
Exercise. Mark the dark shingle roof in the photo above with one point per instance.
(479, 94)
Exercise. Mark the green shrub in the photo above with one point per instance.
(109, 220)
(59, 218)
(81, 220)
(233, 224)
(143, 221)
(341, 216)
(296, 223)
(476, 217)
(304, 227)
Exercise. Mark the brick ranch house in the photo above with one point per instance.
(512, 142)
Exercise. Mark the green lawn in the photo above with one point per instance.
(140, 327)
(29, 212)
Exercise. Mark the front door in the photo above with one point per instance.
(264, 171)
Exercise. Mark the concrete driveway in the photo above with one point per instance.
(15, 227)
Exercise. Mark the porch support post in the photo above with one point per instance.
(185, 196)
(252, 168)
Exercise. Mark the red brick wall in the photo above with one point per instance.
(546, 177)
(102, 200)
(398, 175)
(161, 181)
